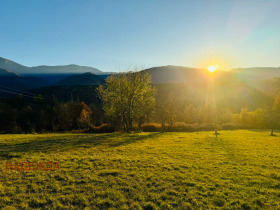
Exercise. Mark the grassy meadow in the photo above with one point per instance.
(239, 170)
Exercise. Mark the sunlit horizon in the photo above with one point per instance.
(212, 68)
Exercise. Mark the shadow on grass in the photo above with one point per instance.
(268, 131)
(133, 138)
(64, 143)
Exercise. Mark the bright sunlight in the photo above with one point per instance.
(211, 68)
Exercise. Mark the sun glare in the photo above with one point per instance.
(211, 68)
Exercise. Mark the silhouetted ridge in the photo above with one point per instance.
(85, 79)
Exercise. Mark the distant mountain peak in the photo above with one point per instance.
(11, 66)
(45, 69)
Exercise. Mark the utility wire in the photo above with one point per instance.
(17, 90)
(10, 92)
(6, 91)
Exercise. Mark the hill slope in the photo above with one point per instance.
(171, 74)
(64, 69)
(85, 79)
(179, 74)
(257, 73)
(12, 66)
(11, 82)
(6, 73)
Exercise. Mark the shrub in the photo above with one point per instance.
(181, 127)
(104, 128)
(15, 129)
(151, 127)
(75, 131)
(228, 126)
(44, 131)
(206, 127)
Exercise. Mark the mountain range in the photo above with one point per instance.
(257, 72)
(9, 81)
(24, 70)
(85, 79)
(16, 76)
(175, 74)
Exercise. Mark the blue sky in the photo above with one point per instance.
(114, 35)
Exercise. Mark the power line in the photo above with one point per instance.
(10, 92)
(6, 91)
(18, 90)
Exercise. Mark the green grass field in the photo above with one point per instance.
(239, 170)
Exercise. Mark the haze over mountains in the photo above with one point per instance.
(171, 74)
(15, 75)
(85, 79)
(258, 72)
(161, 72)
(10, 80)
(236, 88)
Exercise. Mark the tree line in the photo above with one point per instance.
(129, 103)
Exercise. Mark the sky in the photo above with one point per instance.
(119, 34)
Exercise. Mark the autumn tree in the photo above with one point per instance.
(73, 115)
(166, 109)
(84, 119)
(245, 118)
(127, 98)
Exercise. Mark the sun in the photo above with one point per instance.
(212, 68)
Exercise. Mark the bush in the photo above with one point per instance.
(151, 127)
(228, 126)
(177, 127)
(104, 128)
(206, 127)
(75, 131)
(15, 130)
(44, 131)
(180, 127)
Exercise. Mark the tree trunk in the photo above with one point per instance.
(127, 125)
(139, 126)
(272, 130)
(130, 124)
(124, 124)
(162, 125)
